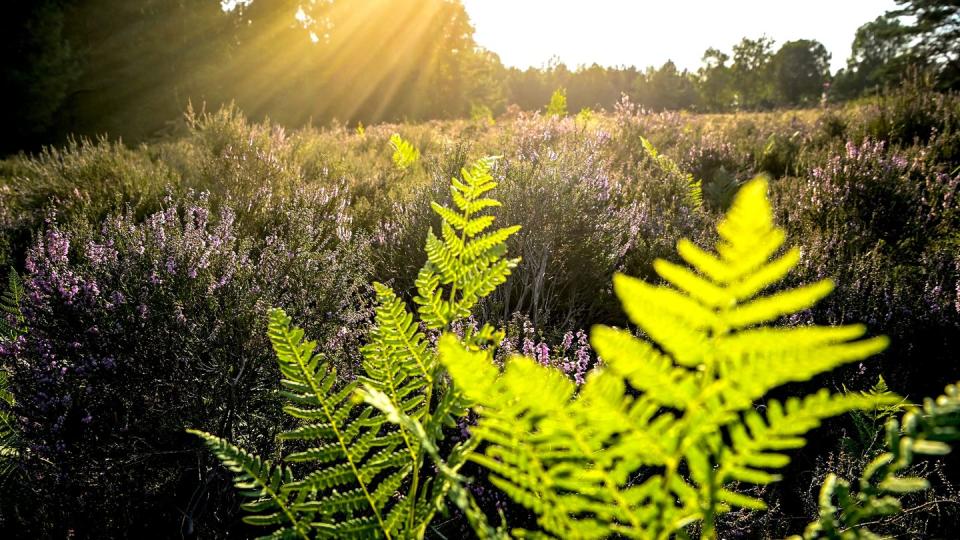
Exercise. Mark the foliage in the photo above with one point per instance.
(800, 69)
(668, 166)
(135, 327)
(692, 432)
(481, 115)
(879, 56)
(405, 155)
(226, 52)
(364, 453)
(860, 212)
(870, 187)
(11, 315)
(11, 327)
(847, 512)
(934, 29)
(558, 103)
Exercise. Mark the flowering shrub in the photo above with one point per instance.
(84, 179)
(884, 222)
(136, 328)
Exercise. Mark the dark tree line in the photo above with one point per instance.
(130, 68)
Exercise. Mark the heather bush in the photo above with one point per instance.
(885, 222)
(911, 113)
(569, 351)
(136, 327)
(83, 179)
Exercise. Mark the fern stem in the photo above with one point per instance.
(417, 459)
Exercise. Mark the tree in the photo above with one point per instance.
(752, 59)
(880, 55)
(666, 88)
(935, 27)
(800, 69)
(39, 65)
(715, 80)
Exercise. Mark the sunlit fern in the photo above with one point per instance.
(368, 441)
(405, 155)
(669, 167)
(653, 443)
(558, 103)
(848, 510)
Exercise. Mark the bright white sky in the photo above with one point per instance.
(649, 32)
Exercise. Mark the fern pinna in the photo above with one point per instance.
(368, 441)
(12, 326)
(653, 443)
(11, 318)
(405, 154)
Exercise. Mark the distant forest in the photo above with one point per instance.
(129, 68)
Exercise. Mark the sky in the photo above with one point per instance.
(649, 32)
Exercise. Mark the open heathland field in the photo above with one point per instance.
(656, 393)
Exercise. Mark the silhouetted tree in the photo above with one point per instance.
(715, 80)
(879, 56)
(934, 27)
(800, 69)
(38, 68)
(667, 88)
(752, 60)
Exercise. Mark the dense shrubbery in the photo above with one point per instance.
(137, 327)
(149, 270)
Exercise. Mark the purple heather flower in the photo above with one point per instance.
(58, 245)
(528, 347)
(543, 354)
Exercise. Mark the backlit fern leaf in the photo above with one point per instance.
(11, 318)
(12, 324)
(359, 462)
(463, 265)
(367, 441)
(264, 482)
(405, 155)
(668, 166)
(653, 442)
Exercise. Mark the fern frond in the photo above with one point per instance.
(353, 454)
(9, 438)
(466, 262)
(11, 318)
(573, 459)
(405, 155)
(262, 481)
(755, 440)
(668, 166)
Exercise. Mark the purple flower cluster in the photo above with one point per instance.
(573, 355)
(138, 327)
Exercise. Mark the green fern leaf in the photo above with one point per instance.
(467, 261)
(262, 481)
(11, 318)
(365, 443)
(572, 458)
(405, 155)
(847, 513)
